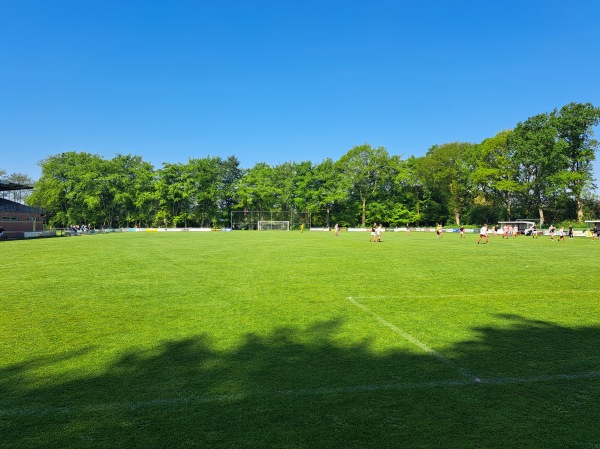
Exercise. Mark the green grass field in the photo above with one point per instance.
(290, 340)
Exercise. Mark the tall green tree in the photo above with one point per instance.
(303, 177)
(388, 204)
(445, 170)
(403, 200)
(230, 175)
(540, 157)
(203, 187)
(174, 195)
(69, 189)
(575, 123)
(412, 185)
(141, 177)
(495, 170)
(285, 180)
(127, 191)
(324, 194)
(363, 170)
(257, 189)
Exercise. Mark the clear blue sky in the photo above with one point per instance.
(275, 81)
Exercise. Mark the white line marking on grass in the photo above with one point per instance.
(540, 378)
(444, 383)
(199, 400)
(463, 372)
(366, 388)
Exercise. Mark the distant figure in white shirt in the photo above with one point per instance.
(483, 232)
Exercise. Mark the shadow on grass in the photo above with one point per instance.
(302, 388)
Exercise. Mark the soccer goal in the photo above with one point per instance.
(265, 225)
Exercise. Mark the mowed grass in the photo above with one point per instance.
(299, 340)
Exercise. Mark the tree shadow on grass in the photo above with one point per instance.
(302, 388)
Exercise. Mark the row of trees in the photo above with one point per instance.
(541, 168)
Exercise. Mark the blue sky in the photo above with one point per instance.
(275, 81)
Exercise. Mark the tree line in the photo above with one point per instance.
(540, 169)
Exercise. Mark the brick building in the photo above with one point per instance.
(16, 218)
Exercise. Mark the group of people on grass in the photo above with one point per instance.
(79, 229)
(561, 232)
(507, 231)
(376, 232)
(552, 232)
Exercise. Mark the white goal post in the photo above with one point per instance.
(270, 225)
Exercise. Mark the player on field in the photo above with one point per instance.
(483, 232)
(534, 231)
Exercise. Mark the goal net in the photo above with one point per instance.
(248, 219)
(264, 225)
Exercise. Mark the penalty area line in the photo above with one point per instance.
(419, 344)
